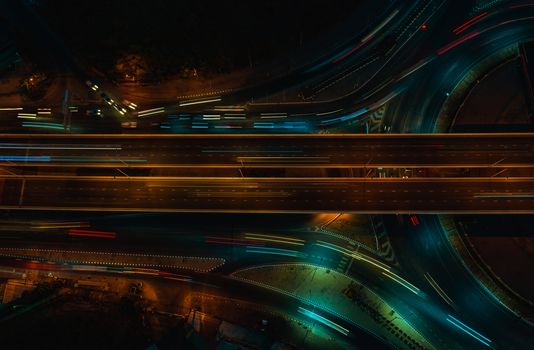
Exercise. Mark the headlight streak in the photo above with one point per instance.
(196, 102)
(25, 159)
(402, 282)
(323, 320)
(148, 112)
(329, 112)
(23, 146)
(59, 224)
(276, 239)
(438, 289)
(346, 117)
(54, 126)
(27, 116)
(232, 241)
(274, 251)
(466, 329)
(65, 159)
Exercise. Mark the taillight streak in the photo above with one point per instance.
(465, 25)
(89, 233)
(456, 43)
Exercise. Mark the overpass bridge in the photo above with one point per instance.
(44, 172)
(364, 195)
(270, 150)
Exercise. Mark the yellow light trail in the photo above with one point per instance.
(277, 239)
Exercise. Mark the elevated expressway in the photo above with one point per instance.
(69, 172)
(269, 150)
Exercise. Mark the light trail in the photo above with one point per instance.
(67, 224)
(197, 102)
(25, 158)
(211, 150)
(468, 23)
(504, 195)
(279, 116)
(438, 289)
(283, 159)
(211, 116)
(92, 233)
(174, 276)
(465, 328)
(26, 115)
(329, 112)
(228, 127)
(273, 251)
(456, 43)
(324, 321)
(229, 109)
(367, 38)
(54, 147)
(54, 126)
(276, 239)
(355, 255)
(235, 116)
(386, 271)
(232, 241)
(345, 118)
(402, 282)
(148, 112)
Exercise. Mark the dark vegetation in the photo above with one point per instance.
(75, 322)
(152, 40)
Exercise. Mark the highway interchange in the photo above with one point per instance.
(398, 75)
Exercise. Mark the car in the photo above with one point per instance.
(129, 125)
(130, 105)
(119, 108)
(92, 85)
(106, 98)
(95, 112)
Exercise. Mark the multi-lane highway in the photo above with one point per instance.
(473, 195)
(271, 150)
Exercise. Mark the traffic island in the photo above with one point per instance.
(199, 264)
(339, 295)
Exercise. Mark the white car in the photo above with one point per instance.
(130, 105)
(119, 109)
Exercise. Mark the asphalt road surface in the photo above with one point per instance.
(377, 195)
(426, 150)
